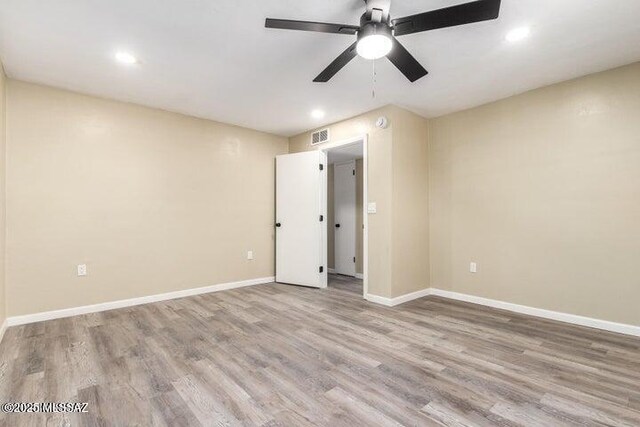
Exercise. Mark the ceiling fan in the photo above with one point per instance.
(377, 32)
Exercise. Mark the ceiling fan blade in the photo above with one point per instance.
(320, 27)
(467, 13)
(405, 62)
(342, 60)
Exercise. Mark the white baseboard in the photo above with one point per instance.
(389, 302)
(605, 325)
(86, 309)
(392, 302)
(3, 328)
(331, 270)
(360, 276)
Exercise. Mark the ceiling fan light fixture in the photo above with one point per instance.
(374, 46)
(374, 39)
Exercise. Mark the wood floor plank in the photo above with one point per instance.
(278, 355)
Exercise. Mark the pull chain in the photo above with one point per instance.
(375, 76)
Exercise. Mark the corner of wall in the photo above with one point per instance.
(3, 132)
(527, 187)
(410, 229)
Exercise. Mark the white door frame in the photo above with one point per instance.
(364, 138)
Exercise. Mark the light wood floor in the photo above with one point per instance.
(282, 355)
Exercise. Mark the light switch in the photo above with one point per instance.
(372, 208)
(82, 270)
(250, 255)
(473, 267)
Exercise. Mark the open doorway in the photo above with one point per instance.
(304, 254)
(345, 199)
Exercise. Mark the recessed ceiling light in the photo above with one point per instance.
(518, 34)
(126, 58)
(317, 114)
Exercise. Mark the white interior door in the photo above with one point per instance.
(301, 219)
(344, 179)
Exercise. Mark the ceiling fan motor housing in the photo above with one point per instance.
(370, 28)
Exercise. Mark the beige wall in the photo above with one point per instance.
(543, 191)
(151, 201)
(410, 262)
(359, 215)
(3, 111)
(331, 231)
(388, 255)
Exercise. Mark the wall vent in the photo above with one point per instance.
(320, 137)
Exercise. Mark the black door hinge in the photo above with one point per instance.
(354, 172)
(321, 167)
(321, 218)
(354, 259)
(321, 269)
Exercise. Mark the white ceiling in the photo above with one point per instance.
(345, 153)
(215, 59)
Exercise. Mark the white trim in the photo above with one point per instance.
(365, 215)
(379, 300)
(322, 203)
(574, 319)
(392, 302)
(364, 138)
(389, 302)
(86, 309)
(3, 328)
(331, 270)
(606, 325)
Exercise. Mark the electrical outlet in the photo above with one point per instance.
(473, 267)
(82, 270)
(249, 255)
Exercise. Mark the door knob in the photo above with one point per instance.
(278, 224)
(337, 225)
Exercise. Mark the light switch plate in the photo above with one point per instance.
(372, 208)
(249, 255)
(473, 267)
(82, 269)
